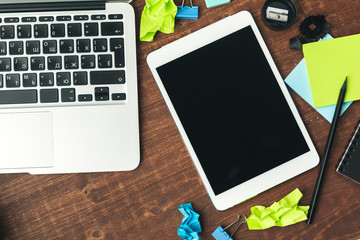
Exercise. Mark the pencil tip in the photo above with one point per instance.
(345, 82)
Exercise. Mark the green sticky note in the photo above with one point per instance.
(282, 213)
(328, 64)
(158, 15)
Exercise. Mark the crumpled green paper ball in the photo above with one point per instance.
(158, 15)
(283, 213)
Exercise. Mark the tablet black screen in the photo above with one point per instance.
(232, 109)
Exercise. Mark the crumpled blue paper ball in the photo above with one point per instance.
(190, 226)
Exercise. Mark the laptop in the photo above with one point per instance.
(68, 87)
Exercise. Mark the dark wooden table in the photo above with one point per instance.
(142, 204)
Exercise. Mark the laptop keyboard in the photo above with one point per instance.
(62, 60)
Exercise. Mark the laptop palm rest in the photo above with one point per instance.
(30, 143)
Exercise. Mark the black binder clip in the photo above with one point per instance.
(187, 12)
(220, 234)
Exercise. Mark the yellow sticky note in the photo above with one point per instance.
(282, 213)
(328, 64)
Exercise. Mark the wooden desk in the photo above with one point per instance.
(142, 204)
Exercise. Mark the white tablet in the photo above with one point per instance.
(232, 110)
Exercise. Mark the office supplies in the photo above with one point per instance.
(215, 3)
(282, 213)
(327, 63)
(158, 15)
(186, 12)
(69, 69)
(221, 61)
(298, 80)
(190, 225)
(349, 164)
(279, 14)
(327, 149)
(220, 234)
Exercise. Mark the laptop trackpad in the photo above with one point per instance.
(26, 140)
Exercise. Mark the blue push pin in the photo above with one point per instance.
(187, 12)
(220, 234)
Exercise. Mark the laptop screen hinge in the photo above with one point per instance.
(52, 6)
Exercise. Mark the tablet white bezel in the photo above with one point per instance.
(265, 180)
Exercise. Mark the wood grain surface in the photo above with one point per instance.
(142, 204)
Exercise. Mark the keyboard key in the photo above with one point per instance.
(100, 45)
(46, 79)
(21, 64)
(101, 93)
(54, 63)
(71, 62)
(24, 31)
(63, 18)
(16, 48)
(12, 80)
(87, 61)
(74, 30)
(3, 48)
(29, 80)
(28, 19)
(67, 46)
(49, 46)
(18, 96)
(111, 28)
(5, 64)
(37, 63)
(85, 98)
(83, 45)
(33, 47)
(115, 16)
(91, 29)
(57, 30)
(81, 17)
(105, 61)
(68, 95)
(119, 58)
(1, 81)
(118, 96)
(7, 32)
(46, 19)
(80, 78)
(98, 17)
(41, 31)
(63, 79)
(117, 46)
(49, 95)
(107, 77)
(11, 20)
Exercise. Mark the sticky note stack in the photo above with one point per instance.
(298, 80)
(328, 64)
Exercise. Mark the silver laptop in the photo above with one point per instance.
(68, 87)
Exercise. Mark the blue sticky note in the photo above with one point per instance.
(215, 3)
(220, 234)
(190, 226)
(298, 80)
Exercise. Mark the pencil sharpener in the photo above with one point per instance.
(279, 14)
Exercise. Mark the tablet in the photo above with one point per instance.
(233, 110)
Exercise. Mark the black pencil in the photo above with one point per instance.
(325, 156)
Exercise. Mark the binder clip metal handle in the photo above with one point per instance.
(220, 234)
(186, 12)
